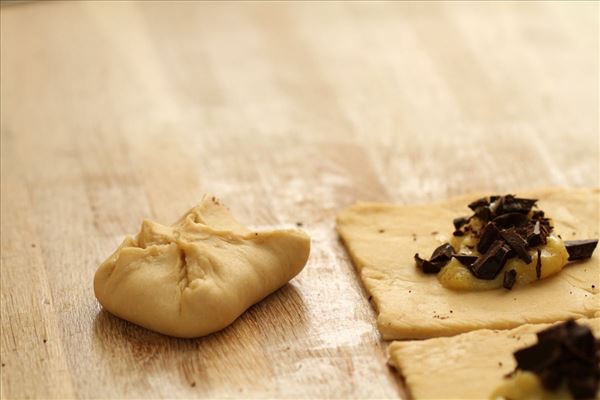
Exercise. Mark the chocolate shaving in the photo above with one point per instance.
(458, 232)
(465, 259)
(442, 253)
(488, 236)
(491, 262)
(484, 201)
(534, 236)
(565, 352)
(517, 243)
(580, 249)
(509, 220)
(537, 214)
(513, 204)
(459, 222)
(427, 266)
(483, 213)
(510, 278)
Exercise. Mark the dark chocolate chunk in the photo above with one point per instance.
(513, 204)
(458, 232)
(459, 222)
(565, 352)
(509, 220)
(484, 201)
(483, 213)
(442, 253)
(537, 214)
(580, 249)
(427, 266)
(489, 234)
(534, 235)
(465, 259)
(517, 243)
(583, 387)
(491, 262)
(510, 278)
(538, 357)
(538, 264)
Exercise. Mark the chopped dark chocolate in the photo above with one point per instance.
(567, 352)
(489, 234)
(517, 243)
(465, 259)
(459, 222)
(510, 277)
(442, 253)
(491, 262)
(580, 249)
(427, 266)
(506, 226)
(509, 220)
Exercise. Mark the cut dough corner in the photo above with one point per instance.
(198, 275)
(467, 366)
(382, 240)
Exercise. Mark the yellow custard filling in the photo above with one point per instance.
(526, 386)
(454, 275)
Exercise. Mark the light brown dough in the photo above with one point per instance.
(468, 366)
(383, 238)
(198, 275)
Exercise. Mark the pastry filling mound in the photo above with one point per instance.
(564, 363)
(507, 241)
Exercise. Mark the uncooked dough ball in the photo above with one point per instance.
(198, 275)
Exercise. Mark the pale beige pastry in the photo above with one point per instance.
(198, 275)
(383, 238)
(472, 365)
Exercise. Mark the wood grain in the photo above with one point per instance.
(117, 111)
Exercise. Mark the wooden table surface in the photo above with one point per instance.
(113, 112)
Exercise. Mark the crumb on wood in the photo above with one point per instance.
(593, 286)
(299, 224)
(414, 237)
(45, 340)
(381, 230)
(434, 232)
(33, 245)
(499, 363)
(193, 384)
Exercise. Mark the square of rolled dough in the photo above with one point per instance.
(383, 238)
(468, 366)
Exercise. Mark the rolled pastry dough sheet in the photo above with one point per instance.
(383, 238)
(468, 366)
